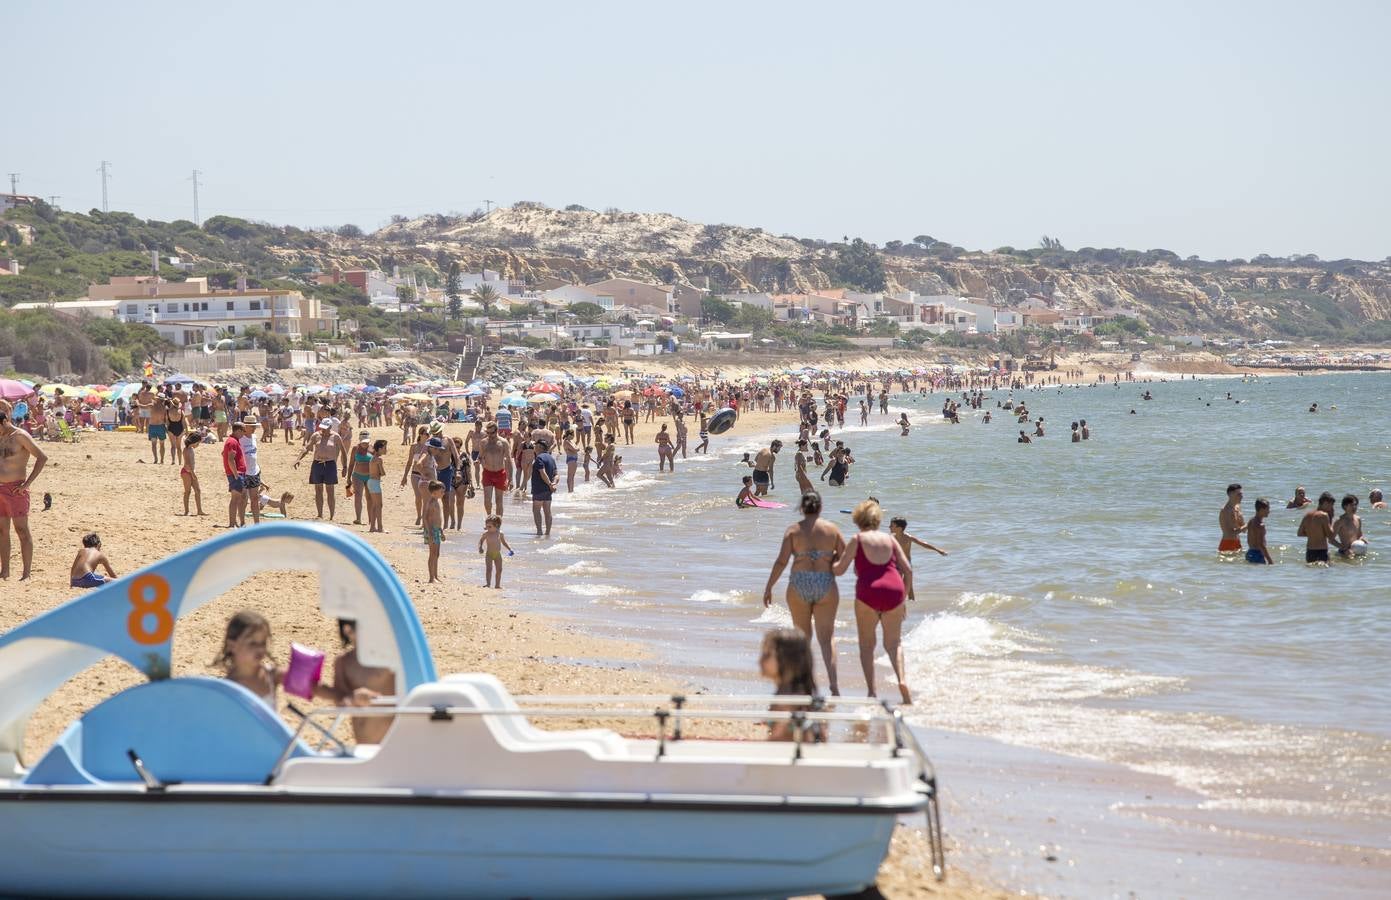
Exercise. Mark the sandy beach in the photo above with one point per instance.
(106, 483)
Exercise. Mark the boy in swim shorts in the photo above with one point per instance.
(84, 566)
(433, 521)
(898, 527)
(1256, 551)
(493, 540)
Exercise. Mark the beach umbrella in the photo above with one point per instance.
(14, 390)
(259, 395)
(92, 400)
(450, 392)
(603, 384)
(676, 392)
(178, 379)
(513, 401)
(623, 395)
(276, 389)
(371, 389)
(473, 392)
(546, 387)
(416, 396)
(543, 397)
(341, 389)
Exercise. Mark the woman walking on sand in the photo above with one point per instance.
(880, 595)
(813, 545)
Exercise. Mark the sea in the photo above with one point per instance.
(1114, 708)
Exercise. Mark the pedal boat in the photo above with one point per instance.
(192, 787)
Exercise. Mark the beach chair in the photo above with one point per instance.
(66, 433)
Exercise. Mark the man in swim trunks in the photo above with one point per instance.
(493, 456)
(158, 428)
(327, 448)
(16, 449)
(763, 468)
(1317, 529)
(1232, 522)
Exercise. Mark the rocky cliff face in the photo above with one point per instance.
(1344, 300)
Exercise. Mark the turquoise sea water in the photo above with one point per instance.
(1083, 609)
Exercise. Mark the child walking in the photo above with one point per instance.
(494, 541)
(433, 522)
(189, 473)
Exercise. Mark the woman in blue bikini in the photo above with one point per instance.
(812, 546)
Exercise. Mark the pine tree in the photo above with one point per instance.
(452, 287)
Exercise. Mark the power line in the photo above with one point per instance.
(53, 200)
(14, 182)
(194, 179)
(105, 207)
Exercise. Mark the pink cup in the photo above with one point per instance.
(302, 676)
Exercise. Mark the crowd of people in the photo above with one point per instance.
(1322, 526)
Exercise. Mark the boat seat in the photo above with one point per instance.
(519, 728)
(193, 729)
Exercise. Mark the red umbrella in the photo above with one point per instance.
(545, 387)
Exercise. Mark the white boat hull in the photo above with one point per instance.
(183, 844)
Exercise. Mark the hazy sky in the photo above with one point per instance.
(1217, 128)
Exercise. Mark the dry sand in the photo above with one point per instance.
(106, 483)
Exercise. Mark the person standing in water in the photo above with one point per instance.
(1256, 551)
(812, 546)
(1232, 522)
(880, 594)
(1317, 530)
(763, 468)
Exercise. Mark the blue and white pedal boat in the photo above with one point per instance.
(192, 787)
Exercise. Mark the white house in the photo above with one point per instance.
(200, 318)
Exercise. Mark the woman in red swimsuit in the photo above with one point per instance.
(880, 565)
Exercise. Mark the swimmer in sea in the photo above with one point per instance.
(903, 425)
(1256, 551)
(1231, 521)
(1300, 499)
(1024, 438)
(837, 467)
(1317, 529)
(1375, 499)
(1086, 432)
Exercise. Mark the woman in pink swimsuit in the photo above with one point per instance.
(880, 565)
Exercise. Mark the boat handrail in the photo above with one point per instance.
(904, 740)
(587, 712)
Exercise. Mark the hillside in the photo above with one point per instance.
(1343, 300)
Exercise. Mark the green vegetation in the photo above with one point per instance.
(47, 344)
(859, 266)
(454, 301)
(587, 313)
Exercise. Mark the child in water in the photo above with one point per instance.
(494, 540)
(1256, 551)
(785, 660)
(898, 527)
(246, 660)
(84, 566)
(745, 497)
